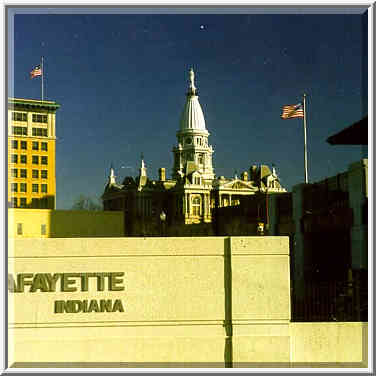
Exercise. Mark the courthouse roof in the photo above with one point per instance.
(192, 117)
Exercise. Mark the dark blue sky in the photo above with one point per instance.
(121, 81)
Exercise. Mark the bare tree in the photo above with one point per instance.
(86, 203)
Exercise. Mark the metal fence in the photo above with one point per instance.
(331, 301)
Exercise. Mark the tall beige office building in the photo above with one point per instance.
(31, 153)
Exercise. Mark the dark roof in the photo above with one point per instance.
(355, 134)
(32, 104)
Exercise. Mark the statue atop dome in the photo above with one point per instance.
(192, 86)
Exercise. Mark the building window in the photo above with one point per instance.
(35, 159)
(43, 174)
(43, 188)
(44, 146)
(14, 187)
(43, 229)
(35, 174)
(14, 173)
(19, 131)
(35, 188)
(14, 202)
(44, 160)
(23, 145)
(196, 206)
(23, 187)
(19, 228)
(14, 158)
(19, 116)
(23, 202)
(39, 132)
(39, 118)
(43, 203)
(35, 145)
(197, 180)
(14, 144)
(23, 159)
(200, 159)
(23, 173)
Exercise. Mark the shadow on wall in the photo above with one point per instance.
(45, 223)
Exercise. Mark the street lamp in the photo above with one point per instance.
(162, 217)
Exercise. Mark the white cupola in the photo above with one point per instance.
(193, 148)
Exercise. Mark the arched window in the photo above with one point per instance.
(196, 205)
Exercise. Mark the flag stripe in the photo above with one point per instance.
(292, 111)
(37, 71)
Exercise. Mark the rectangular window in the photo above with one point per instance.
(23, 173)
(23, 202)
(19, 116)
(44, 160)
(43, 229)
(14, 144)
(39, 118)
(43, 188)
(43, 174)
(19, 131)
(23, 145)
(14, 187)
(14, 173)
(14, 202)
(35, 145)
(35, 159)
(35, 188)
(23, 187)
(23, 159)
(19, 228)
(44, 146)
(39, 132)
(14, 158)
(35, 174)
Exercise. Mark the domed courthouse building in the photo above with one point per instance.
(185, 204)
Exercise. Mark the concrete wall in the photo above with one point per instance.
(64, 223)
(209, 301)
(325, 343)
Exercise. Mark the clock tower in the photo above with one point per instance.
(193, 152)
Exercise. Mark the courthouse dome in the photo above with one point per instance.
(192, 117)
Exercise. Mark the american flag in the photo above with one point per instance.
(292, 111)
(37, 71)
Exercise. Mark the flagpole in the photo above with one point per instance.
(305, 140)
(42, 76)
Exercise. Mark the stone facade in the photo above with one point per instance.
(164, 302)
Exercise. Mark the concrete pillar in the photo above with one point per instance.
(297, 251)
(358, 194)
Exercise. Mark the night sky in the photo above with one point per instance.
(121, 81)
